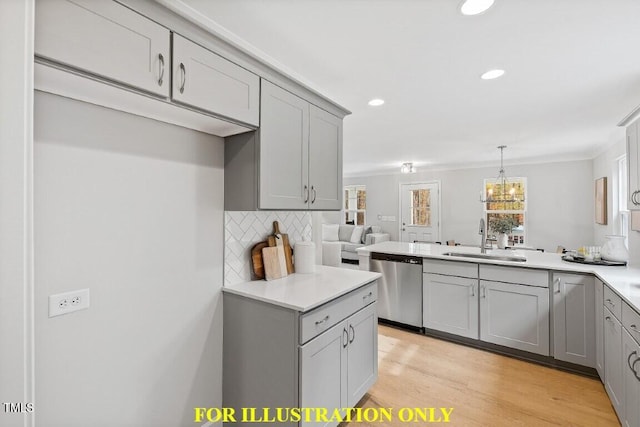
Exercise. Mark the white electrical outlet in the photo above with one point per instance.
(68, 302)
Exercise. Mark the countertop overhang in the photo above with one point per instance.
(304, 292)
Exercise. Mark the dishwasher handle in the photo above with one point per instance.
(407, 259)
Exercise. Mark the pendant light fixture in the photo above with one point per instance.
(502, 190)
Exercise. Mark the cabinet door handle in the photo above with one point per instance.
(306, 194)
(313, 190)
(345, 338)
(633, 368)
(353, 336)
(183, 78)
(369, 295)
(634, 329)
(633, 197)
(473, 290)
(629, 359)
(161, 70)
(611, 303)
(318, 322)
(483, 290)
(556, 289)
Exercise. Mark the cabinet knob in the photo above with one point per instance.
(611, 303)
(634, 328)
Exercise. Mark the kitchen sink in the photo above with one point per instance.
(496, 257)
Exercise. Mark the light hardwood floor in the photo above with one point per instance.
(484, 389)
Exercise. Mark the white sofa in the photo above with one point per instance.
(340, 241)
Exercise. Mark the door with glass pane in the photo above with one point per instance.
(420, 212)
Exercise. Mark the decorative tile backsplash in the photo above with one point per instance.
(244, 229)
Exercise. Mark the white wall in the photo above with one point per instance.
(560, 201)
(132, 209)
(605, 165)
(16, 298)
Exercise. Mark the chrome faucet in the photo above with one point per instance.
(483, 233)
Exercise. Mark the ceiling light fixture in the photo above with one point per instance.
(492, 74)
(498, 192)
(407, 168)
(475, 7)
(376, 102)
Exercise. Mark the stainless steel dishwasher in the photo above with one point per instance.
(399, 288)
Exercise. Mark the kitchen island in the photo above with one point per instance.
(302, 341)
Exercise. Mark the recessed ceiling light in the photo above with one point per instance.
(475, 7)
(492, 74)
(376, 102)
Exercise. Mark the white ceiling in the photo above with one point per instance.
(572, 73)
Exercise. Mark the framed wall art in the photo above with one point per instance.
(601, 200)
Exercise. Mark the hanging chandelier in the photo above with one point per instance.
(502, 190)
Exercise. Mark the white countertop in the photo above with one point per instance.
(304, 292)
(624, 280)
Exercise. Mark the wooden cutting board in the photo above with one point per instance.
(278, 238)
(272, 263)
(256, 259)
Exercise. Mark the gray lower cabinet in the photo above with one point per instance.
(574, 327)
(630, 381)
(276, 357)
(515, 316)
(514, 307)
(613, 360)
(207, 81)
(338, 367)
(599, 312)
(106, 39)
(293, 162)
(450, 304)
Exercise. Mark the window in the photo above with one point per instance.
(623, 212)
(355, 204)
(421, 207)
(515, 206)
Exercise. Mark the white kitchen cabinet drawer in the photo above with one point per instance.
(209, 82)
(522, 276)
(450, 268)
(631, 321)
(324, 317)
(613, 302)
(105, 39)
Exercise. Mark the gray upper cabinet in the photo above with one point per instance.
(293, 162)
(325, 160)
(206, 81)
(105, 39)
(284, 150)
(633, 161)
